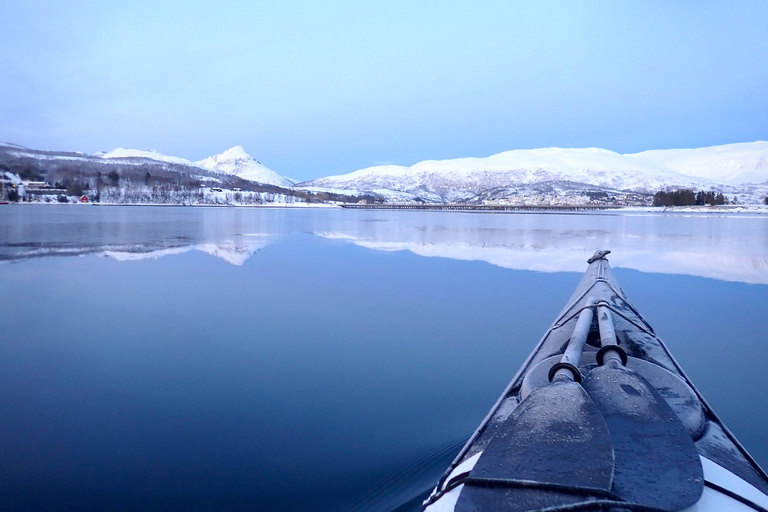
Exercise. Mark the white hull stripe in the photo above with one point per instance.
(464, 467)
(721, 477)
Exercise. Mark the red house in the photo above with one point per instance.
(84, 199)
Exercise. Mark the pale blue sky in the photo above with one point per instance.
(318, 88)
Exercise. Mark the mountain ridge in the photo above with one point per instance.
(236, 163)
(740, 168)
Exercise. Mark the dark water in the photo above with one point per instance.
(305, 359)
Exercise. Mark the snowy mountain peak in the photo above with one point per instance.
(232, 156)
(235, 153)
(237, 162)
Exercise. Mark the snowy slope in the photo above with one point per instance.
(234, 162)
(745, 162)
(561, 169)
(466, 178)
(237, 162)
(116, 156)
(138, 153)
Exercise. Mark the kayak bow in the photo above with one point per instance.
(601, 417)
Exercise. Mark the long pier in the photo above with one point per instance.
(482, 207)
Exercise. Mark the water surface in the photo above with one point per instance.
(321, 359)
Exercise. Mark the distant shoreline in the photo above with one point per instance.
(540, 209)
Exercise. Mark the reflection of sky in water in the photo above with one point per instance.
(729, 247)
(315, 374)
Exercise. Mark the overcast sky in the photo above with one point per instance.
(319, 88)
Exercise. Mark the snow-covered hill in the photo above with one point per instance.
(120, 153)
(723, 168)
(236, 161)
(745, 162)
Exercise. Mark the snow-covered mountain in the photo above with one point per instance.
(724, 168)
(739, 170)
(236, 161)
(233, 162)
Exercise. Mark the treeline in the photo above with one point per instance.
(687, 197)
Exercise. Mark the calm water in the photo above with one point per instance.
(315, 359)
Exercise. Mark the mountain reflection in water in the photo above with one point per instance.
(729, 247)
